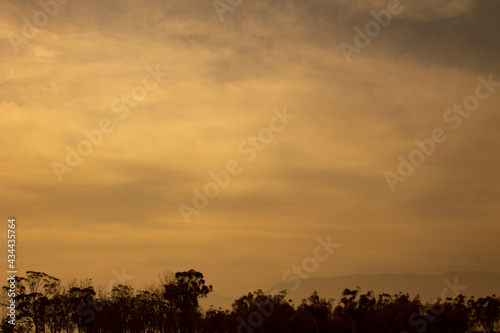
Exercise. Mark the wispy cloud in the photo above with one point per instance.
(323, 177)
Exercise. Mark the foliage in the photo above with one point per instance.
(43, 305)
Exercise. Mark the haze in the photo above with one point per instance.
(323, 174)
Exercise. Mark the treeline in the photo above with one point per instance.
(42, 305)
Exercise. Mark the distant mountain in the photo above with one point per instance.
(217, 301)
(478, 284)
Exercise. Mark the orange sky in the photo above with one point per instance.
(320, 174)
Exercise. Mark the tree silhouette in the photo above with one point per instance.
(34, 293)
(316, 313)
(486, 313)
(44, 306)
(182, 295)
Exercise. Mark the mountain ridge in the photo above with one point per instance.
(426, 286)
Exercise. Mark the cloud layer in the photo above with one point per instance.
(322, 175)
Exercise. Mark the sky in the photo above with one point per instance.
(308, 118)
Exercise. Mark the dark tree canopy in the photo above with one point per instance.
(44, 305)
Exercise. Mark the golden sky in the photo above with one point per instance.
(220, 77)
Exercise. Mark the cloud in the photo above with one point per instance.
(422, 10)
(322, 175)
